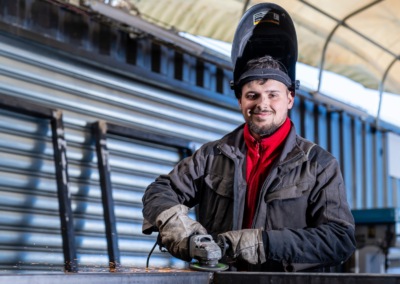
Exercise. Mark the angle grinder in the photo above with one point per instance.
(207, 253)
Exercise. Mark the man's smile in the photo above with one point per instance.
(261, 114)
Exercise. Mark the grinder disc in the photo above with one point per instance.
(217, 267)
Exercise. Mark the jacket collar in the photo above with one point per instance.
(291, 149)
(234, 145)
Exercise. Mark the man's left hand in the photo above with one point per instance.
(247, 245)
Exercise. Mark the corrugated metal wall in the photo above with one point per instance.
(29, 201)
(29, 223)
(359, 147)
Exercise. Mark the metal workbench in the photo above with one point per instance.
(201, 277)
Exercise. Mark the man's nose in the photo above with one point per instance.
(262, 101)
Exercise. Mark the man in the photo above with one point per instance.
(278, 199)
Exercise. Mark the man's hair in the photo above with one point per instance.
(262, 63)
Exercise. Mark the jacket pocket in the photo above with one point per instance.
(220, 185)
(289, 192)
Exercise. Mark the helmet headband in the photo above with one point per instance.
(257, 74)
(265, 73)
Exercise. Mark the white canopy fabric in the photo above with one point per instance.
(348, 52)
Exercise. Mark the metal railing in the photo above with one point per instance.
(100, 129)
(61, 166)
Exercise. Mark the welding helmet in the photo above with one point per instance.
(265, 29)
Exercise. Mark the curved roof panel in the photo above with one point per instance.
(361, 49)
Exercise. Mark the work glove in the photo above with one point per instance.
(246, 245)
(175, 228)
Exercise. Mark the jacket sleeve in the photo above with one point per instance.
(180, 186)
(329, 238)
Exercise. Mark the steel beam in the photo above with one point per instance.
(64, 195)
(339, 23)
(350, 28)
(61, 168)
(100, 134)
(246, 3)
(24, 107)
(148, 136)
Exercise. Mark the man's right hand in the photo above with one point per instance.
(175, 229)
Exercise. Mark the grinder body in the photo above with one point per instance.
(203, 249)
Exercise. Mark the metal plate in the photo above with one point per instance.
(106, 278)
(303, 278)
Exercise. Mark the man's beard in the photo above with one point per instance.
(266, 130)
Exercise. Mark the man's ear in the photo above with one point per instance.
(290, 99)
(240, 103)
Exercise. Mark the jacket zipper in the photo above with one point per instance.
(266, 182)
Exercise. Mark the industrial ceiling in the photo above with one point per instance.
(361, 38)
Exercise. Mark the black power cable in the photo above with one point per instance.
(158, 241)
(148, 257)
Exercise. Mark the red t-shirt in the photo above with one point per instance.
(260, 158)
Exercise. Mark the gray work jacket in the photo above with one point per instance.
(302, 204)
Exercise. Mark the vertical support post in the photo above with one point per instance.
(228, 77)
(358, 147)
(322, 126)
(396, 189)
(329, 131)
(336, 137)
(346, 156)
(317, 117)
(302, 119)
(210, 77)
(369, 166)
(143, 55)
(64, 195)
(309, 120)
(199, 73)
(167, 66)
(189, 69)
(295, 115)
(245, 5)
(375, 169)
(100, 134)
(387, 181)
(379, 180)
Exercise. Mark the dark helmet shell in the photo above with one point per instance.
(265, 29)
